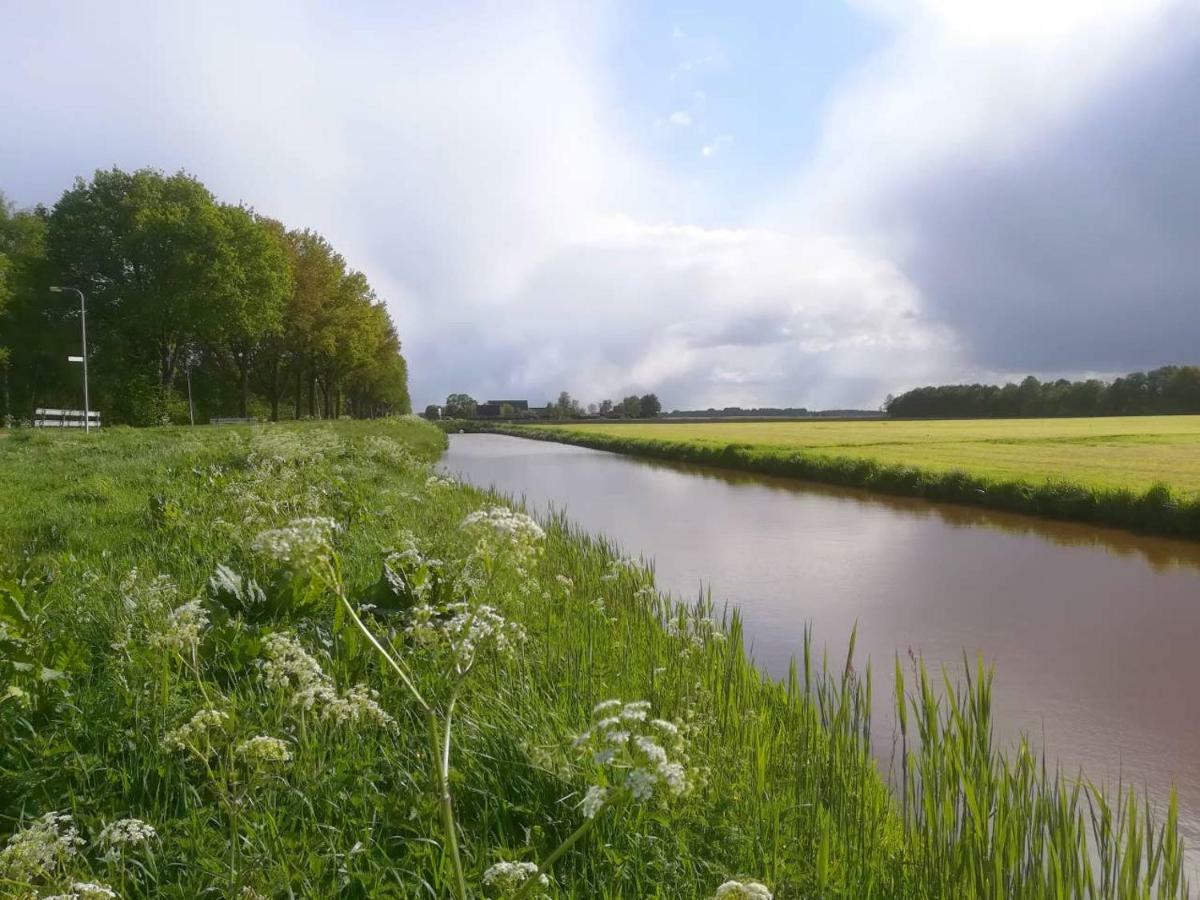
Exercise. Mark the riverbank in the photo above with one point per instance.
(295, 659)
(883, 458)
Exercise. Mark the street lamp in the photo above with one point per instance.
(87, 411)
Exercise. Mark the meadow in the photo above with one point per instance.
(297, 661)
(1140, 472)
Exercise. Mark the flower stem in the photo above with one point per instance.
(441, 765)
(572, 839)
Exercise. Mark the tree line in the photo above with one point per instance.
(1168, 390)
(464, 406)
(186, 295)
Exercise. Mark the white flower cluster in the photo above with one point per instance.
(501, 529)
(639, 753)
(507, 877)
(742, 890)
(265, 751)
(86, 890)
(465, 629)
(290, 667)
(126, 832)
(303, 542)
(40, 848)
(185, 627)
(197, 733)
(437, 482)
(385, 450)
(697, 629)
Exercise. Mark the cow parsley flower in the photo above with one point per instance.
(185, 627)
(87, 890)
(743, 890)
(465, 629)
(507, 877)
(504, 531)
(636, 752)
(41, 848)
(303, 542)
(289, 667)
(198, 732)
(592, 801)
(126, 832)
(265, 750)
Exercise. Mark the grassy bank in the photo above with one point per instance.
(1140, 473)
(293, 661)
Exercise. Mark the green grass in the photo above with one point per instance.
(112, 637)
(1139, 472)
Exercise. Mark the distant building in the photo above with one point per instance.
(491, 409)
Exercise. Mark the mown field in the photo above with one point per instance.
(1137, 471)
(295, 661)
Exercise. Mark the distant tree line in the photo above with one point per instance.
(733, 412)
(463, 406)
(1171, 389)
(259, 318)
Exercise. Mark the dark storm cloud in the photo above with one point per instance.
(1082, 253)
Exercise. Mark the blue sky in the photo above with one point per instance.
(895, 192)
(731, 96)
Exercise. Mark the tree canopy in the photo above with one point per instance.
(1170, 389)
(184, 290)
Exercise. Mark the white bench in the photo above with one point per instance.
(65, 418)
(230, 420)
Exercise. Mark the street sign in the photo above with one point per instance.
(74, 359)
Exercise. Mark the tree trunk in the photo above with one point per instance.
(244, 372)
(299, 389)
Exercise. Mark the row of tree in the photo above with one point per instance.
(1171, 389)
(464, 406)
(186, 296)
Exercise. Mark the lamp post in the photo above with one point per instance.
(87, 411)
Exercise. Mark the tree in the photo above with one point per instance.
(606, 407)
(258, 280)
(460, 406)
(566, 407)
(432, 412)
(631, 407)
(649, 406)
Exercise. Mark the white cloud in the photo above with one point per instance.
(474, 164)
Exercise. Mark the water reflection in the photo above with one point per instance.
(1092, 632)
(1161, 553)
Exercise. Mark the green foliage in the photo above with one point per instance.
(144, 573)
(1168, 390)
(183, 288)
(460, 406)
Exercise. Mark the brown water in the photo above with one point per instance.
(1094, 633)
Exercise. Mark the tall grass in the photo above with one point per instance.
(116, 634)
(1157, 510)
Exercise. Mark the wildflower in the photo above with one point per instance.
(141, 595)
(40, 848)
(18, 695)
(742, 890)
(638, 753)
(185, 627)
(303, 542)
(265, 750)
(290, 667)
(468, 630)
(196, 734)
(130, 832)
(87, 890)
(593, 800)
(507, 877)
(502, 528)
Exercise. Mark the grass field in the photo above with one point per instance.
(295, 661)
(1137, 472)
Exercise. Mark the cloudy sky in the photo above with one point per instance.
(809, 202)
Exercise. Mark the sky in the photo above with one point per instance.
(807, 203)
